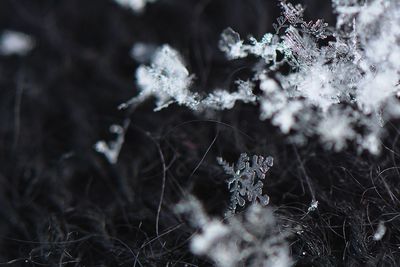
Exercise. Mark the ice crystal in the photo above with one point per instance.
(335, 129)
(231, 44)
(246, 180)
(267, 48)
(169, 81)
(250, 239)
(359, 66)
(222, 99)
(349, 83)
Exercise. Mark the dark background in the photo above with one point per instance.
(63, 204)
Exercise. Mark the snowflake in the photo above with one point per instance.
(253, 238)
(135, 5)
(268, 47)
(335, 129)
(243, 182)
(358, 69)
(167, 79)
(231, 44)
(15, 43)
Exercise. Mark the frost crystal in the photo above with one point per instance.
(243, 178)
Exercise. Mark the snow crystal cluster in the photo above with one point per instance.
(343, 83)
(166, 79)
(251, 239)
(169, 81)
(351, 82)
